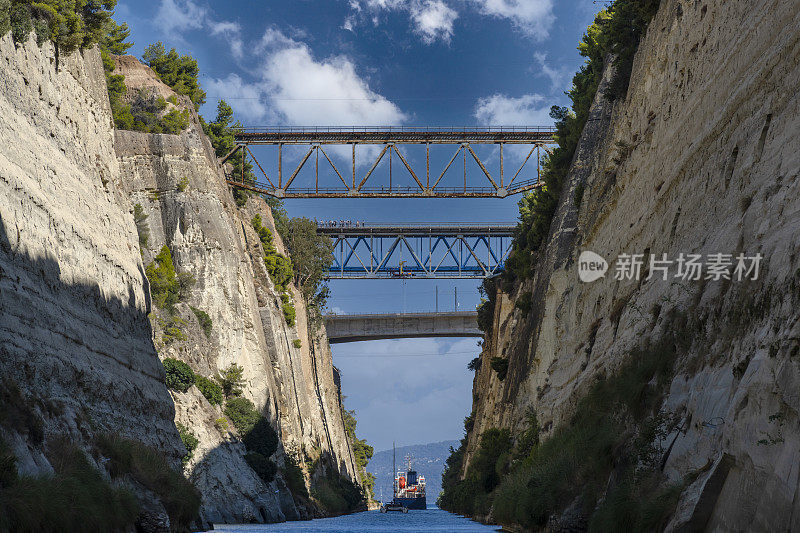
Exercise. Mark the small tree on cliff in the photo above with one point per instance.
(178, 71)
(220, 132)
(312, 256)
(231, 380)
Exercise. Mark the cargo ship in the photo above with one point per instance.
(408, 488)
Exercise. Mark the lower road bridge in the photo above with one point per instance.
(352, 328)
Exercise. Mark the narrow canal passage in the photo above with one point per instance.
(431, 520)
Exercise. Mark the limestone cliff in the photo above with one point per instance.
(74, 335)
(80, 338)
(702, 157)
(288, 371)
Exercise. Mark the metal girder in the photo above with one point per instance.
(418, 252)
(389, 139)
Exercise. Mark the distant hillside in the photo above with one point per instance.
(427, 459)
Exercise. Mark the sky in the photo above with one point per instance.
(438, 63)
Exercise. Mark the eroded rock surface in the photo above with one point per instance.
(702, 157)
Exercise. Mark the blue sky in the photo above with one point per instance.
(384, 62)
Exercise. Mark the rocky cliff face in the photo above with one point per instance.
(702, 158)
(74, 334)
(288, 371)
(80, 338)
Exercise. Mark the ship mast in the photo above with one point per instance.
(394, 473)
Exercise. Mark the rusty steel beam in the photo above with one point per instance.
(394, 135)
(405, 192)
(390, 138)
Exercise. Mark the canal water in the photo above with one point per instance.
(431, 520)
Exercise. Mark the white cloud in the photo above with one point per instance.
(176, 16)
(293, 87)
(432, 20)
(231, 32)
(501, 110)
(533, 17)
(560, 79)
(246, 99)
(180, 15)
(308, 91)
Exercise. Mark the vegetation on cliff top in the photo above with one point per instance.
(615, 33)
(69, 24)
(145, 111)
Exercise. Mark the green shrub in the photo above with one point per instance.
(70, 25)
(179, 72)
(297, 343)
(183, 184)
(220, 132)
(231, 381)
(264, 234)
(172, 330)
(174, 122)
(242, 413)
(75, 498)
(500, 365)
(528, 439)
(163, 280)
(210, 389)
(204, 320)
(474, 365)
(524, 303)
(485, 309)
(295, 480)
(190, 442)
(362, 451)
(289, 313)
(221, 424)
(8, 466)
(263, 466)
(179, 375)
(142, 229)
(5, 17)
(262, 437)
(580, 455)
(149, 468)
(336, 493)
(17, 413)
(256, 432)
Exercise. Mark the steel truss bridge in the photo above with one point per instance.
(425, 182)
(395, 251)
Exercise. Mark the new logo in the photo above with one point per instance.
(591, 266)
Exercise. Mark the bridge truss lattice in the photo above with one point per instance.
(425, 182)
(456, 252)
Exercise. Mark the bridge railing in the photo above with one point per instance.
(411, 129)
(419, 314)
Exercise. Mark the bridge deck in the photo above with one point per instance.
(391, 230)
(354, 328)
(376, 135)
